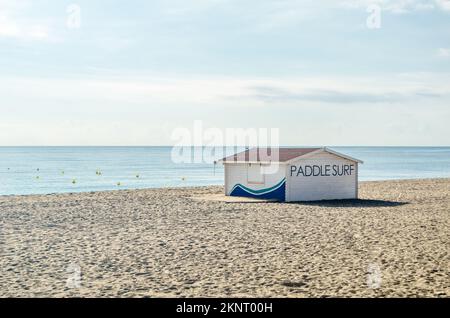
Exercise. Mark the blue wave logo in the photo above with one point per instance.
(277, 192)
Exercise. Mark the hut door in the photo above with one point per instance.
(255, 174)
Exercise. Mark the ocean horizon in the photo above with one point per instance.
(65, 169)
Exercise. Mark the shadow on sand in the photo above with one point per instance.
(354, 203)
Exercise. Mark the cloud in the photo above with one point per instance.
(121, 109)
(14, 25)
(398, 6)
(8, 28)
(271, 94)
(230, 91)
(443, 52)
(443, 4)
(249, 15)
(12, 29)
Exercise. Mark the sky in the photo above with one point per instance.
(330, 72)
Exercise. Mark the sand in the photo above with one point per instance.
(394, 242)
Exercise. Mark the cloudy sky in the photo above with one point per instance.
(130, 72)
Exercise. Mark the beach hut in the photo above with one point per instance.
(291, 174)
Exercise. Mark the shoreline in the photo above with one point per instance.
(190, 187)
(392, 242)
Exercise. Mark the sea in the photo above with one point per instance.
(47, 170)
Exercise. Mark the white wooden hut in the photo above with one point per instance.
(291, 174)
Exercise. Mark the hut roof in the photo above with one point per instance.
(284, 154)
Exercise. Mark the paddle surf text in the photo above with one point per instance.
(322, 170)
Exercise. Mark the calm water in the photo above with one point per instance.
(40, 170)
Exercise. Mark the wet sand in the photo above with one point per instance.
(394, 241)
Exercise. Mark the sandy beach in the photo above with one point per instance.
(394, 241)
